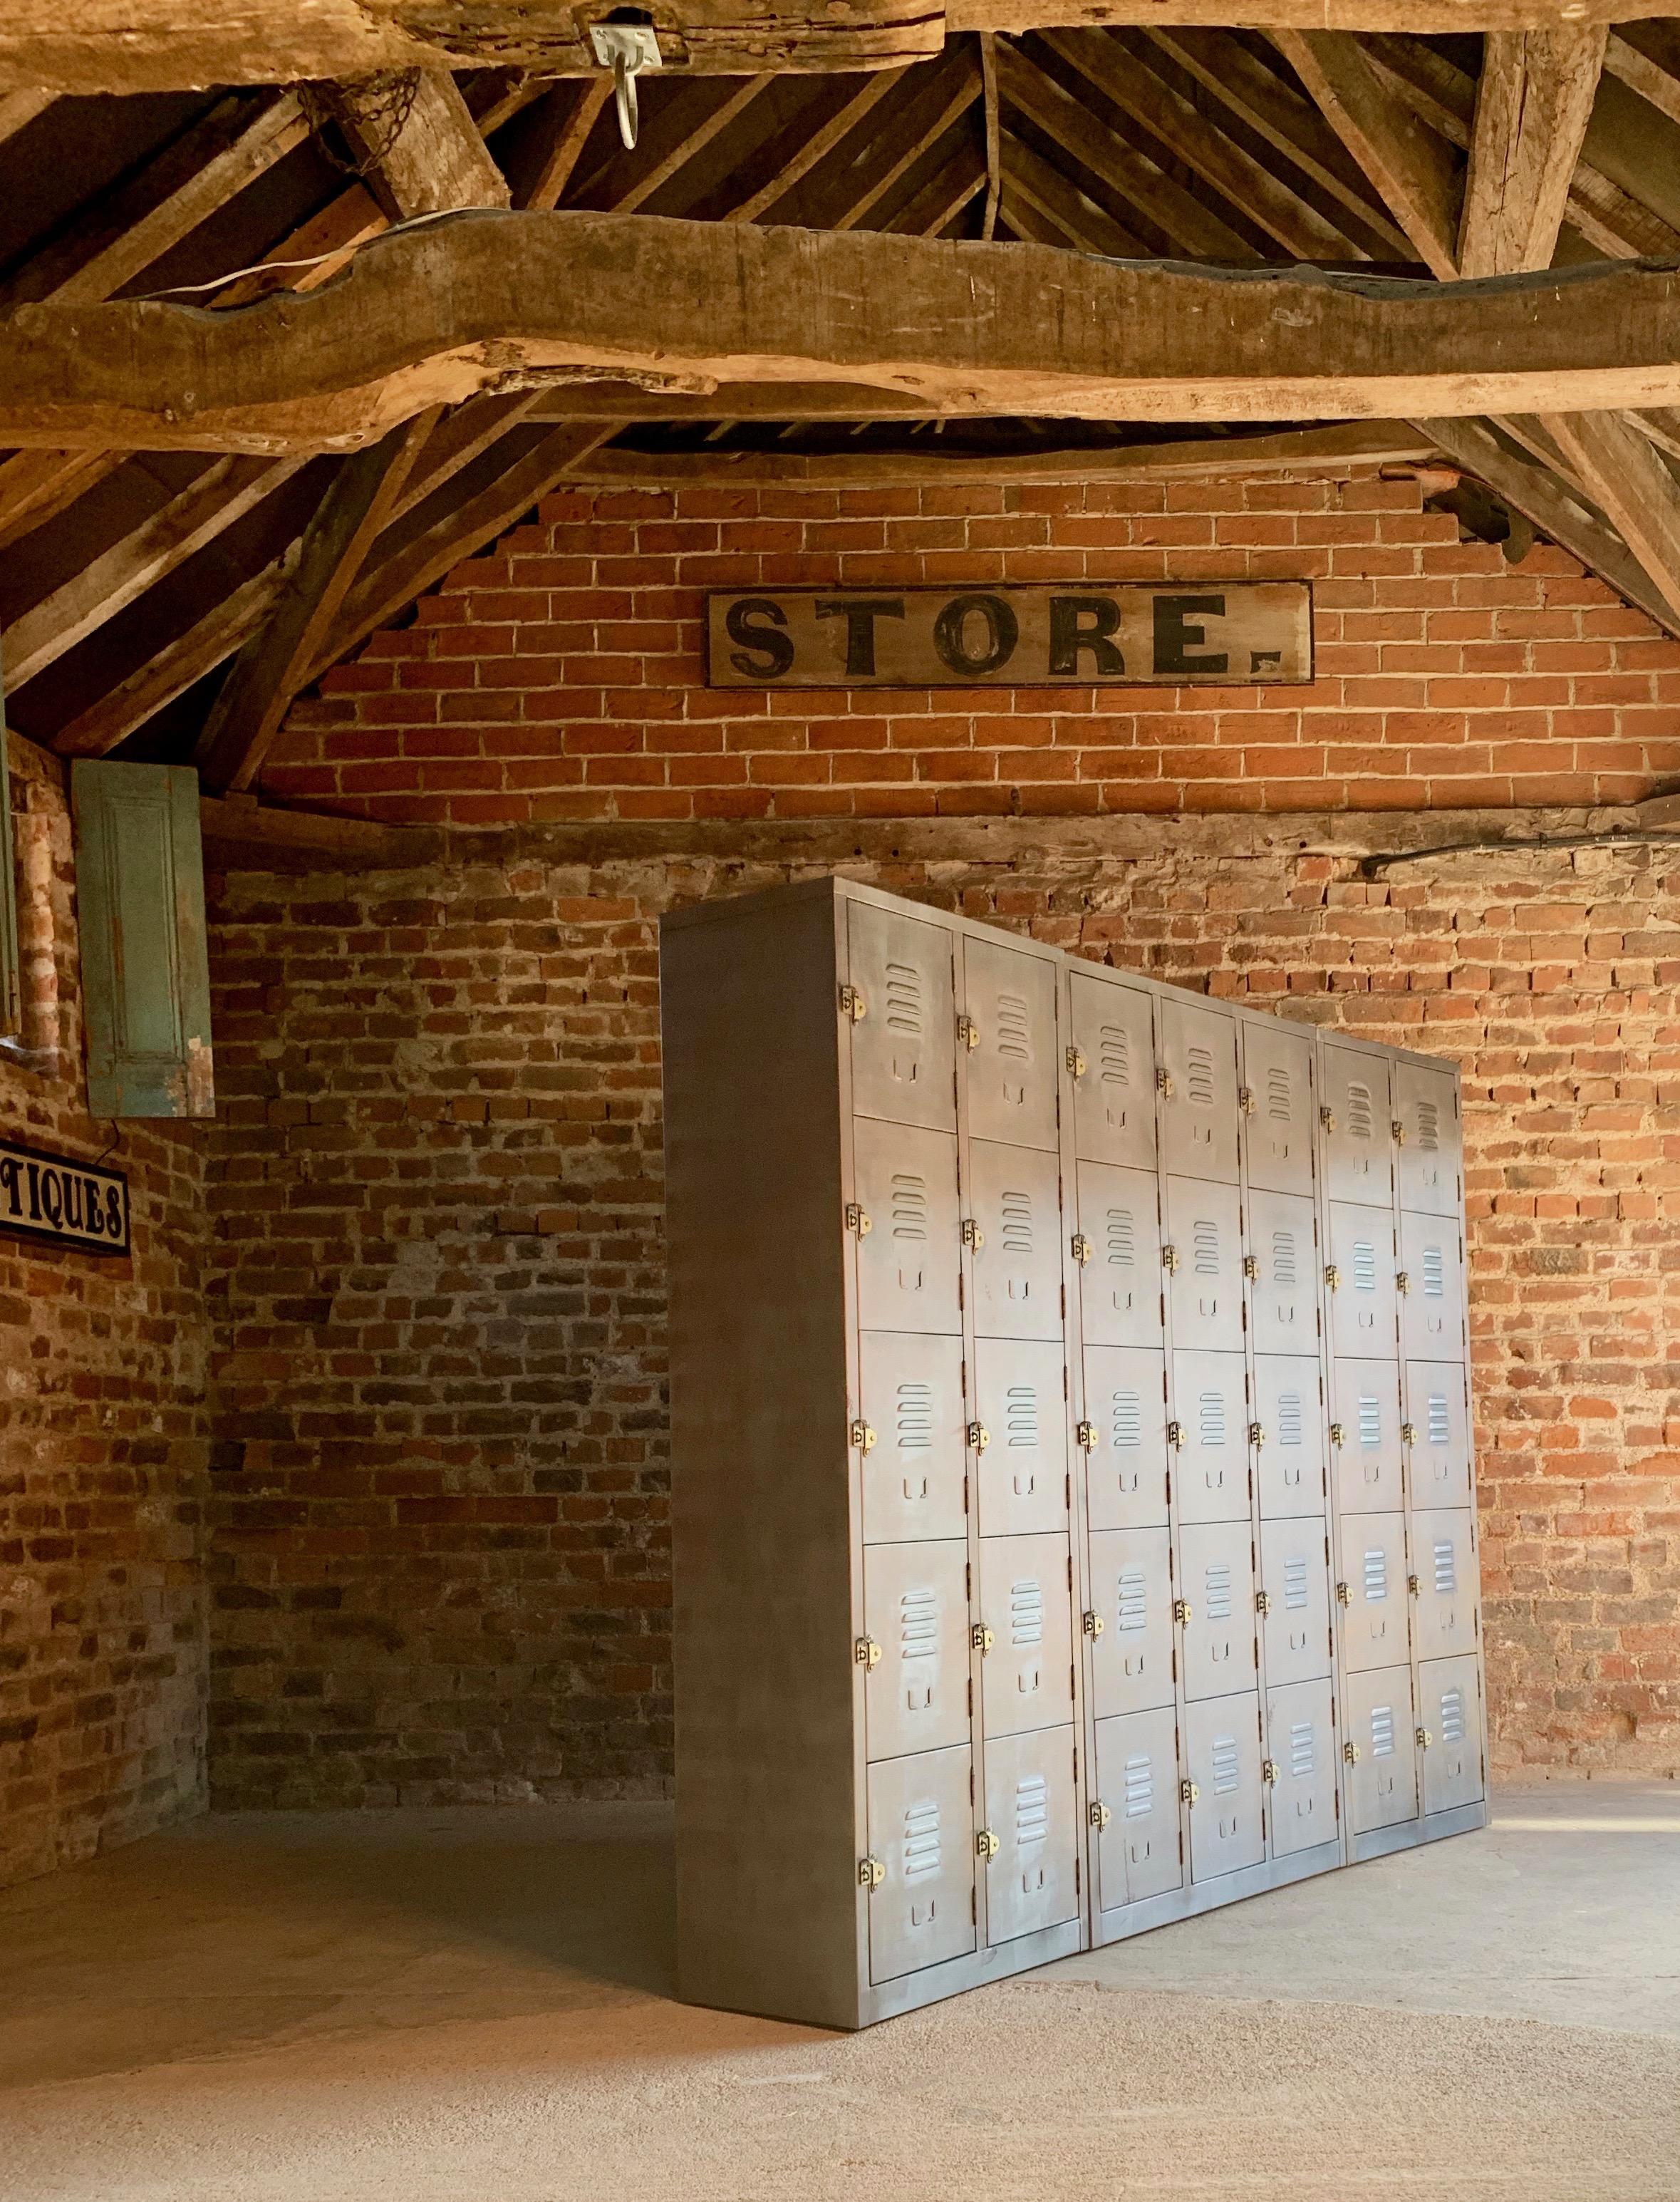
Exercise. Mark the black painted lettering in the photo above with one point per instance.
(1079, 623)
(112, 1213)
(96, 1214)
(1174, 634)
(765, 653)
(52, 1197)
(953, 627)
(72, 1201)
(11, 1173)
(34, 1169)
(861, 614)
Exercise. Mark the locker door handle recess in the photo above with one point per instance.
(1262, 1601)
(1175, 1436)
(1076, 1061)
(1245, 1099)
(972, 1236)
(1082, 1248)
(985, 1844)
(1187, 1793)
(1408, 1433)
(1099, 1815)
(857, 1219)
(968, 1032)
(866, 1651)
(863, 1437)
(979, 1437)
(1181, 1609)
(1086, 1434)
(1093, 1624)
(853, 1006)
(871, 1873)
(1350, 1752)
(981, 1638)
(1424, 1738)
(1269, 1771)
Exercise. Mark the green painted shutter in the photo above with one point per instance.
(145, 967)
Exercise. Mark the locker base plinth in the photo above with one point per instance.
(976, 1970)
(1407, 1834)
(1152, 1911)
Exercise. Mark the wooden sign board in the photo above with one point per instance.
(1084, 635)
(65, 1202)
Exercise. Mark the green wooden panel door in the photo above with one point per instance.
(145, 967)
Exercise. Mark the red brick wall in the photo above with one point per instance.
(559, 677)
(104, 1437)
(437, 1540)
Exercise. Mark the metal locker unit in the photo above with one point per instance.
(1073, 1498)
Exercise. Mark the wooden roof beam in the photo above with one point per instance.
(425, 153)
(1533, 104)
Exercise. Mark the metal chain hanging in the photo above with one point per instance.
(383, 104)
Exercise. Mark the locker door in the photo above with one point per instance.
(1277, 1072)
(1300, 1744)
(1440, 1449)
(1131, 1593)
(1431, 1156)
(1121, 1277)
(1020, 1400)
(1125, 1405)
(1283, 1298)
(922, 1833)
(1444, 1559)
(1014, 1201)
(1139, 1853)
(1359, 1140)
(1114, 1092)
(1222, 1752)
(1217, 1564)
(1026, 1603)
(907, 1259)
(1368, 1454)
(1432, 1304)
(1291, 1456)
(1199, 1116)
(1449, 1712)
(1210, 1408)
(902, 1019)
(1371, 1590)
(1294, 1578)
(910, 1403)
(1362, 1299)
(1032, 1812)
(915, 1608)
(1204, 1264)
(1383, 1779)
(1010, 999)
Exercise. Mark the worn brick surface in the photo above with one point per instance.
(103, 1436)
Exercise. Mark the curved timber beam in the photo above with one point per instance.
(489, 302)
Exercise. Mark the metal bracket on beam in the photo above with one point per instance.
(626, 49)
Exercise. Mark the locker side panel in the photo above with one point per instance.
(769, 1917)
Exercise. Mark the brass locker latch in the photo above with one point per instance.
(1343, 1595)
(857, 1219)
(968, 1032)
(1269, 1770)
(1163, 1083)
(1245, 1099)
(1086, 1434)
(972, 1236)
(1413, 1585)
(853, 1006)
(1399, 1131)
(1402, 1281)
(1076, 1061)
(981, 1638)
(1408, 1433)
(1083, 1249)
(1332, 1276)
(1181, 1609)
(1327, 1118)
(1187, 1793)
(1175, 1436)
(866, 1651)
(871, 1873)
(1169, 1260)
(1257, 1434)
(1093, 1624)
(1350, 1752)
(1337, 1433)
(1099, 1815)
(979, 1437)
(1262, 1601)
(863, 1437)
(1251, 1267)
(1424, 1738)
(985, 1844)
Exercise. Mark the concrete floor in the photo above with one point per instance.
(474, 2007)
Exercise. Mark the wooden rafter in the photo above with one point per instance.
(426, 158)
(1533, 104)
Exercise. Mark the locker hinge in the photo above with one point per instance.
(863, 1437)
(981, 1638)
(1251, 1267)
(1399, 1131)
(1269, 1771)
(1327, 1118)
(1076, 1061)
(1181, 1609)
(1257, 1434)
(1086, 1434)
(1343, 1595)
(1262, 1601)
(985, 1844)
(1332, 1276)
(1245, 1099)
(1350, 1752)
(1337, 1433)
(968, 1032)
(979, 1437)
(866, 1651)
(972, 1236)
(1408, 1433)
(1174, 1435)
(852, 1004)
(871, 1873)
(1099, 1815)
(1093, 1624)
(857, 1219)
(1187, 1793)
(1425, 1738)
(1169, 1260)
(1402, 1282)
(1083, 1249)
(1163, 1083)
(1413, 1585)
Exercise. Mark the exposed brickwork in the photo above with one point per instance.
(438, 1539)
(559, 676)
(103, 1436)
